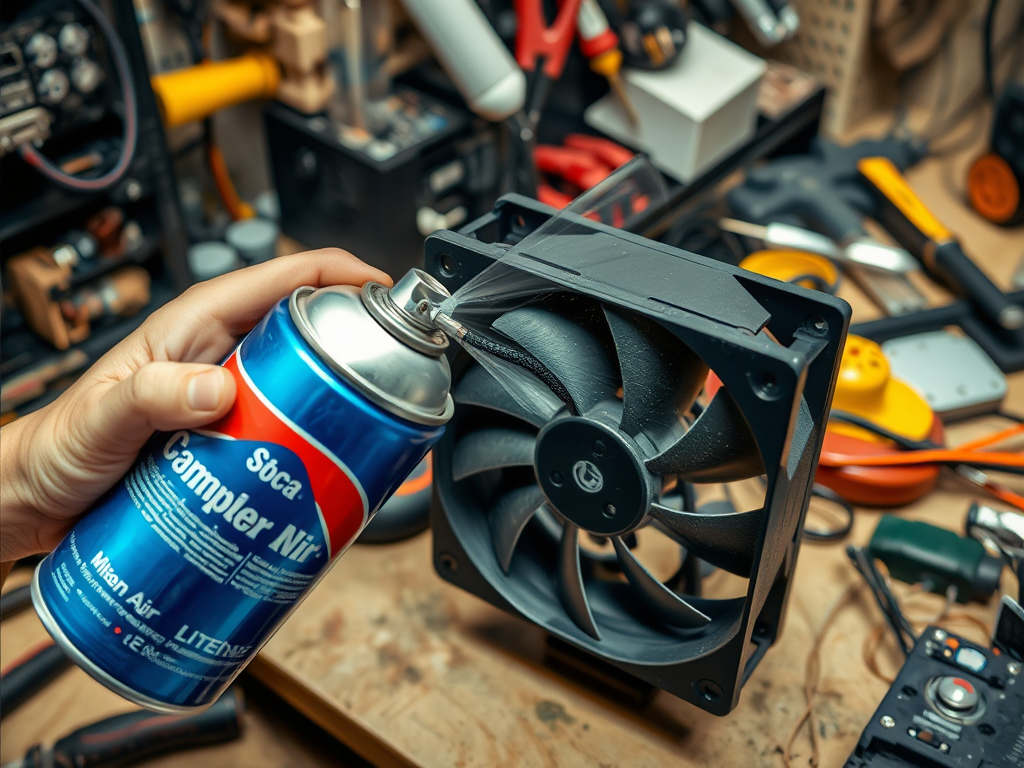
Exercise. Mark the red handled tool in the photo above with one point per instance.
(541, 50)
(580, 168)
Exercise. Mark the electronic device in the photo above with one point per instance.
(916, 552)
(103, 166)
(418, 161)
(53, 74)
(954, 704)
(521, 493)
(951, 371)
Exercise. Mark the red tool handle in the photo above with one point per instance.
(535, 40)
(606, 150)
(575, 166)
(595, 34)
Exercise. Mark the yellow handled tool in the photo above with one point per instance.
(917, 229)
(196, 92)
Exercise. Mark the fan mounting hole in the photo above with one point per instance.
(609, 510)
(448, 562)
(556, 479)
(766, 385)
(448, 265)
(817, 325)
(599, 448)
(709, 690)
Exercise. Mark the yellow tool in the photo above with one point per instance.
(807, 270)
(867, 388)
(196, 92)
(917, 229)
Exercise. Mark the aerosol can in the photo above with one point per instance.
(187, 566)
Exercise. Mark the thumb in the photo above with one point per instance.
(165, 396)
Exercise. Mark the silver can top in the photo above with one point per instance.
(382, 342)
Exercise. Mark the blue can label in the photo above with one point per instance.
(253, 507)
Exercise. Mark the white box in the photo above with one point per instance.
(692, 114)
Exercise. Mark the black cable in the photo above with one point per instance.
(903, 442)
(987, 63)
(916, 445)
(886, 601)
(834, 534)
(523, 359)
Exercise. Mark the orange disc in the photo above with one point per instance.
(876, 486)
(993, 189)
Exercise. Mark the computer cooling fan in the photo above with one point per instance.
(628, 331)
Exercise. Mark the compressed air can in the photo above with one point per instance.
(173, 581)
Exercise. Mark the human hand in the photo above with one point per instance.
(57, 461)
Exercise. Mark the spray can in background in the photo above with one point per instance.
(179, 574)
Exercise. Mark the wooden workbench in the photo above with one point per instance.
(408, 670)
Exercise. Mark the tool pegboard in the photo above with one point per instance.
(834, 45)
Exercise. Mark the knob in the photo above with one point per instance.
(86, 75)
(74, 39)
(957, 694)
(42, 50)
(53, 86)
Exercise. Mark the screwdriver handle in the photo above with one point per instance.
(917, 229)
(128, 739)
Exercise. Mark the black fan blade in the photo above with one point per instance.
(669, 606)
(717, 448)
(492, 449)
(508, 518)
(728, 541)
(661, 376)
(570, 581)
(572, 353)
(479, 387)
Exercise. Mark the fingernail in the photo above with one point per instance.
(204, 391)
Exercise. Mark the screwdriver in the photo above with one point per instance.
(915, 227)
(130, 738)
(862, 251)
(601, 47)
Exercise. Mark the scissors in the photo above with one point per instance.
(541, 51)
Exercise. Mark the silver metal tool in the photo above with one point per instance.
(891, 291)
(862, 251)
(1002, 531)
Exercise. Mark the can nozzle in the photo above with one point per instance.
(417, 296)
(406, 309)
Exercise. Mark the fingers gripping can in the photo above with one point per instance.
(180, 573)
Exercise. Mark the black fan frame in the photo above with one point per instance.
(784, 390)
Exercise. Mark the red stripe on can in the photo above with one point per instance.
(340, 500)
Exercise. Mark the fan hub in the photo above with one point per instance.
(592, 475)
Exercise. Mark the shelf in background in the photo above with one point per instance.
(100, 341)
